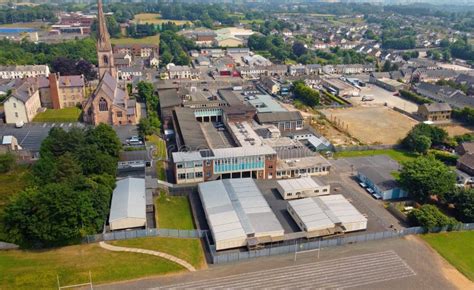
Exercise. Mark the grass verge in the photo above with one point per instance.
(60, 115)
(457, 248)
(396, 154)
(189, 250)
(39, 269)
(173, 212)
(159, 154)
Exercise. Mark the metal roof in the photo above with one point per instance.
(299, 184)
(128, 199)
(265, 103)
(325, 212)
(235, 208)
(279, 117)
(379, 176)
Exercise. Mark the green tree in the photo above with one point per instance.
(105, 138)
(421, 144)
(429, 217)
(7, 162)
(426, 176)
(463, 200)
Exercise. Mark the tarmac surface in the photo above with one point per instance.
(401, 263)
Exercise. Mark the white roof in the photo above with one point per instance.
(128, 199)
(322, 212)
(235, 208)
(314, 215)
(299, 184)
(342, 208)
(7, 139)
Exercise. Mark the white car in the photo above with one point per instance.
(134, 140)
(363, 185)
(19, 124)
(370, 190)
(376, 196)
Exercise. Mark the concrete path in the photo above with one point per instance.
(149, 252)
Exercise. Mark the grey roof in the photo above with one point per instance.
(169, 98)
(230, 96)
(25, 89)
(279, 117)
(380, 177)
(467, 160)
(437, 107)
(189, 129)
(236, 208)
(128, 200)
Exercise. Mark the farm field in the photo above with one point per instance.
(372, 125)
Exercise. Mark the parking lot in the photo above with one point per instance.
(31, 135)
(382, 97)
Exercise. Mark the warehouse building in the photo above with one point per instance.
(238, 215)
(128, 208)
(326, 215)
(301, 187)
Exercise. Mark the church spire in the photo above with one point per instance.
(103, 36)
(105, 55)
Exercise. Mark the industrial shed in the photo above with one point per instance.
(302, 187)
(128, 208)
(326, 215)
(238, 215)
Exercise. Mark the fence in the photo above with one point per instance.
(132, 234)
(302, 245)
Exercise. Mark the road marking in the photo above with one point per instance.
(62, 124)
(338, 273)
(22, 140)
(44, 125)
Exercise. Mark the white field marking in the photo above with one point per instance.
(355, 267)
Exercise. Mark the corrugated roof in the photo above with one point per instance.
(235, 208)
(342, 209)
(299, 184)
(128, 199)
(279, 117)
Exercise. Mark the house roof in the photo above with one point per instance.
(380, 177)
(25, 89)
(467, 160)
(128, 199)
(467, 147)
(169, 98)
(437, 107)
(279, 117)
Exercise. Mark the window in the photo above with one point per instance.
(325, 190)
(103, 107)
(106, 59)
(190, 175)
(316, 191)
(179, 165)
(198, 174)
(14, 105)
(16, 114)
(119, 114)
(290, 194)
(181, 176)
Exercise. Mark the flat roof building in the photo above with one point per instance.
(238, 215)
(302, 187)
(326, 215)
(128, 208)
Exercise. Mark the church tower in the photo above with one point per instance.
(104, 47)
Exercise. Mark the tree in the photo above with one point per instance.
(85, 68)
(64, 66)
(105, 138)
(305, 94)
(421, 144)
(463, 200)
(436, 135)
(429, 217)
(299, 48)
(426, 176)
(7, 162)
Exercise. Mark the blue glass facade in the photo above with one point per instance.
(239, 166)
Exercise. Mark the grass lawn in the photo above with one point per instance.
(155, 39)
(398, 155)
(38, 269)
(189, 250)
(457, 248)
(160, 154)
(173, 212)
(12, 183)
(60, 115)
(155, 18)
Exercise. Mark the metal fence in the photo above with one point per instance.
(132, 234)
(302, 245)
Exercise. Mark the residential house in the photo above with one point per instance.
(435, 112)
(182, 72)
(23, 71)
(444, 94)
(58, 92)
(24, 102)
(465, 147)
(136, 49)
(466, 163)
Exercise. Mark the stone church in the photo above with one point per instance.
(109, 103)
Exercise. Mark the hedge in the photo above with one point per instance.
(414, 97)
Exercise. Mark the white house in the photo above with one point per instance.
(22, 71)
(24, 102)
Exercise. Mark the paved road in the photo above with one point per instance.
(338, 273)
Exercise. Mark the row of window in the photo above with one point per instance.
(304, 170)
(190, 175)
(299, 193)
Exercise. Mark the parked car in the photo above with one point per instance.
(367, 99)
(376, 196)
(363, 185)
(370, 190)
(19, 124)
(134, 141)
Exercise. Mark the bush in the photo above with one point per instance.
(417, 99)
(465, 115)
(430, 217)
(7, 162)
(447, 158)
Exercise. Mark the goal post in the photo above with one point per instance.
(317, 250)
(76, 285)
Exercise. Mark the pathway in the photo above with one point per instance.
(149, 252)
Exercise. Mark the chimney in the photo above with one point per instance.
(54, 90)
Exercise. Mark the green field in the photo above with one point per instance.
(12, 183)
(39, 269)
(173, 212)
(145, 40)
(155, 18)
(189, 250)
(159, 155)
(398, 155)
(457, 248)
(60, 115)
